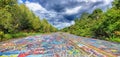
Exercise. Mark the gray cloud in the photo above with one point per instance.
(61, 13)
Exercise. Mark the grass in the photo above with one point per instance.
(114, 39)
(17, 35)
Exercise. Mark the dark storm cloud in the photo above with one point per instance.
(61, 13)
(58, 5)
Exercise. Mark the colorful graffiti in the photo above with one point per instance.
(108, 47)
(55, 45)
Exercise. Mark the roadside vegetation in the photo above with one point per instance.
(99, 24)
(18, 21)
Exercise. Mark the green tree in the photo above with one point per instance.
(16, 18)
(101, 25)
(116, 4)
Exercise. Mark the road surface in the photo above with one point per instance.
(58, 45)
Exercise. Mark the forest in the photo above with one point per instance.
(99, 24)
(16, 20)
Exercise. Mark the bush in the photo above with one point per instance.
(1, 35)
(114, 39)
(7, 36)
(19, 35)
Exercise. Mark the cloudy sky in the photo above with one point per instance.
(61, 13)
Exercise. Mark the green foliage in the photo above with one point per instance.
(19, 35)
(7, 36)
(1, 35)
(101, 25)
(116, 4)
(113, 39)
(16, 18)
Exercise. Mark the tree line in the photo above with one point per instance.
(16, 18)
(99, 24)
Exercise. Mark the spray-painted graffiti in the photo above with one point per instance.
(54, 45)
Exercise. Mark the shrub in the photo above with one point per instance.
(19, 35)
(7, 36)
(114, 39)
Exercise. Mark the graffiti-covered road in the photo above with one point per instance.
(58, 45)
